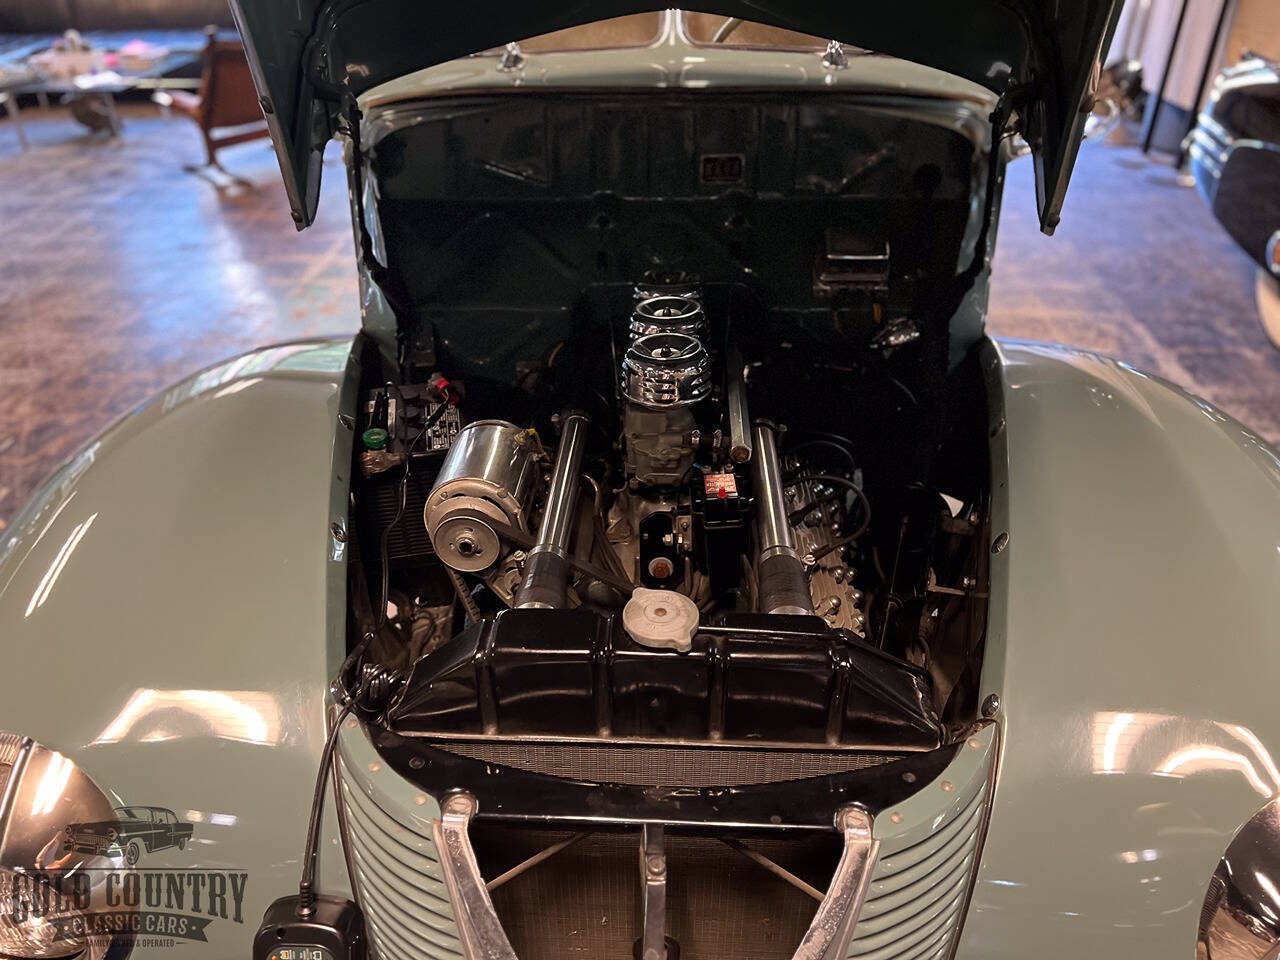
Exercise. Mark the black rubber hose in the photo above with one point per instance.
(825, 444)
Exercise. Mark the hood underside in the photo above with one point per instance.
(311, 58)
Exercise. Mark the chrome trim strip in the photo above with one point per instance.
(340, 811)
(987, 795)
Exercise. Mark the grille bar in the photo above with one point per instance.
(398, 877)
(918, 892)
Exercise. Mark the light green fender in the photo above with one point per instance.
(172, 607)
(1133, 643)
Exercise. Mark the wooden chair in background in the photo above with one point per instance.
(225, 107)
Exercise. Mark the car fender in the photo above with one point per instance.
(1132, 646)
(172, 603)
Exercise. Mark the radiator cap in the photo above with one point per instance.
(661, 618)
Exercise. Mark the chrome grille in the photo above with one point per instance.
(917, 893)
(398, 879)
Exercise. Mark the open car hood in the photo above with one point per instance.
(311, 57)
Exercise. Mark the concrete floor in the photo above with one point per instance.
(120, 272)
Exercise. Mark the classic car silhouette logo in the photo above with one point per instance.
(137, 830)
(91, 890)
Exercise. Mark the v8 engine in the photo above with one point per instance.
(706, 516)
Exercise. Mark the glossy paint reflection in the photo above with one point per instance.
(1132, 643)
(1171, 746)
(150, 716)
(178, 616)
(60, 559)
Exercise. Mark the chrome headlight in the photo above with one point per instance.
(47, 886)
(1240, 919)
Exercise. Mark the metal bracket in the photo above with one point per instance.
(479, 928)
(482, 937)
(653, 884)
(832, 927)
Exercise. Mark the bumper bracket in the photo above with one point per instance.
(482, 937)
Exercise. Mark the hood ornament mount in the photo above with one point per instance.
(834, 57)
(512, 58)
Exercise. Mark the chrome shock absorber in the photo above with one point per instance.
(546, 571)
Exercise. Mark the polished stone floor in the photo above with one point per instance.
(120, 272)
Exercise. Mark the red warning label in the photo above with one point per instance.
(721, 485)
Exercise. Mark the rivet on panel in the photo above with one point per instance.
(420, 800)
(975, 743)
(909, 777)
(896, 817)
(947, 786)
(375, 767)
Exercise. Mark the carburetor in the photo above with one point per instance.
(663, 376)
(665, 372)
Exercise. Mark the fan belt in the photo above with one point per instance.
(527, 541)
